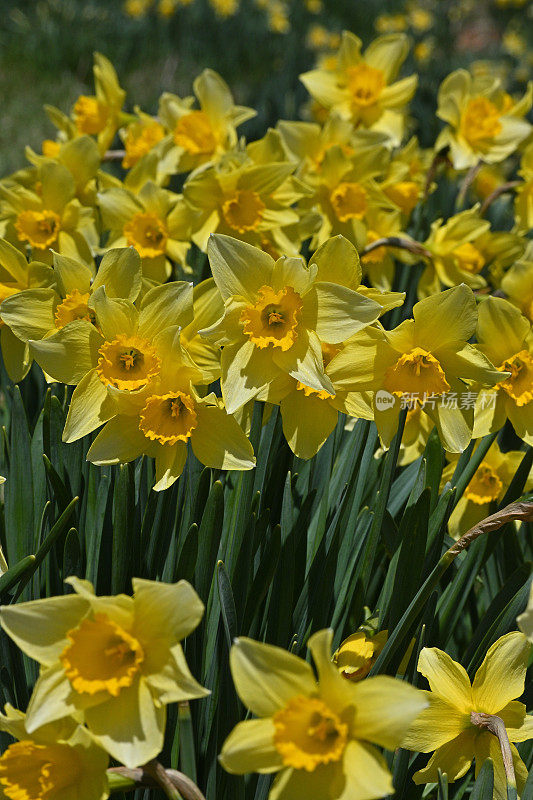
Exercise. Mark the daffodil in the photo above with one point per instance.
(140, 137)
(203, 135)
(155, 221)
(426, 360)
(517, 284)
(16, 277)
(82, 159)
(487, 487)
(363, 87)
(278, 314)
(160, 419)
(100, 114)
(50, 219)
(524, 192)
(118, 348)
(448, 726)
(356, 655)
(504, 336)
(114, 661)
(59, 760)
(318, 736)
(484, 122)
(405, 182)
(240, 198)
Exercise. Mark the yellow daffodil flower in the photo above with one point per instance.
(425, 360)
(278, 313)
(59, 760)
(140, 137)
(114, 661)
(82, 159)
(155, 221)
(50, 219)
(504, 336)
(356, 655)
(162, 418)
(100, 114)
(118, 349)
(17, 276)
(447, 727)
(200, 136)
(319, 736)
(405, 182)
(363, 88)
(484, 122)
(487, 487)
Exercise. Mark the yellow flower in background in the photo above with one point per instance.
(363, 88)
(114, 661)
(82, 159)
(484, 122)
(118, 350)
(100, 114)
(355, 656)
(517, 284)
(225, 8)
(447, 727)
(48, 216)
(426, 360)
(278, 313)
(163, 417)
(203, 135)
(319, 736)
(504, 336)
(140, 137)
(17, 276)
(59, 760)
(155, 221)
(487, 487)
(524, 192)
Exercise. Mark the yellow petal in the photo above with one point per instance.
(446, 677)
(71, 275)
(169, 464)
(266, 677)
(237, 267)
(168, 676)
(453, 758)
(445, 319)
(342, 312)
(366, 773)
(120, 272)
(52, 699)
(70, 353)
(501, 676)
(90, 406)
(219, 441)
(307, 422)
(325, 782)
(385, 707)
(250, 748)
(338, 262)
(245, 371)
(165, 609)
(114, 314)
(163, 306)
(118, 442)
(439, 723)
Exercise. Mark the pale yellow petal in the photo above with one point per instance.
(501, 676)
(453, 758)
(250, 748)
(237, 267)
(90, 406)
(446, 677)
(439, 723)
(385, 708)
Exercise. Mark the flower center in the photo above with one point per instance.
(480, 121)
(485, 486)
(127, 362)
(147, 234)
(418, 373)
(90, 114)
(50, 148)
(243, 211)
(140, 138)
(102, 657)
(274, 318)
(309, 391)
(404, 194)
(74, 306)
(375, 256)
(308, 733)
(31, 771)
(365, 84)
(519, 384)
(469, 258)
(168, 418)
(38, 228)
(349, 201)
(194, 133)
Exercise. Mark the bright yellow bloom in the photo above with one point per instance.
(487, 487)
(140, 137)
(425, 360)
(504, 336)
(317, 735)
(363, 88)
(117, 350)
(114, 661)
(200, 136)
(484, 123)
(59, 760)
(161, 419)
(99, 115)
(278, 313)
(155, 221)
(356, 655)
(446, 725)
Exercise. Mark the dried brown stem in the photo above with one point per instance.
(166, 779)
(397, 241)
(522, 510)
(496, 726)
(502, 189)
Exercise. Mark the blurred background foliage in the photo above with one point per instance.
(259, 47)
